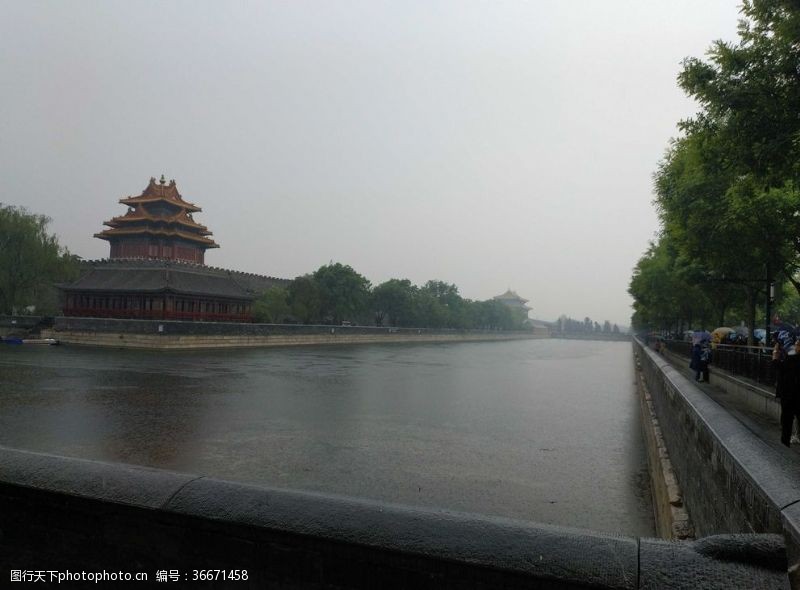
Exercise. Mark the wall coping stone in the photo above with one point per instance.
(451, 547)
(123, 484)
(499, 543)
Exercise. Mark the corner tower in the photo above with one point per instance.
(514, 301)
(158, 225)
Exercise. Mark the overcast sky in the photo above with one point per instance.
(486, 144)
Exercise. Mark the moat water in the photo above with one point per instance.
(542, 430)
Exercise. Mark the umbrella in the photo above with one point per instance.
(719, 334)
(785, 334)
(699, 336)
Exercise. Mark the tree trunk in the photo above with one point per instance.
(752, 298)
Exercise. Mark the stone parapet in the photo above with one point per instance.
(59, 513)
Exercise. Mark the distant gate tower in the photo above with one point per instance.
(158, 225)
(515, 302)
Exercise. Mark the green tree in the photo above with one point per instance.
(344, 293)
(749, 91)
(445, 293)
(305, 299)
(721, 227)
(748, 130)
(494, 315)
(448, 309)
(665, 292)
(395, 299)
(31, 262)
(466, 315)
(429, 311)
(788, 303)
(272, 306)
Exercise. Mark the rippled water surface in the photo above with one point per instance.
(543, 430)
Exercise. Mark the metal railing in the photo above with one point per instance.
(751, 362)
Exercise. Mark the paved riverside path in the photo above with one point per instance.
(761, 424)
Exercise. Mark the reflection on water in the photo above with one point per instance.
(540, 430)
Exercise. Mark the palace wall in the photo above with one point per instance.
(18, 324)
(154, 334)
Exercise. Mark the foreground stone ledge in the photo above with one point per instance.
(64, 513)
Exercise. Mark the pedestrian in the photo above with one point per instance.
(786, 363)
(701, 357)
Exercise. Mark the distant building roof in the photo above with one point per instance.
(510, 295)
(161, 192)
(159, 212)
(511, 299)
(154, 276)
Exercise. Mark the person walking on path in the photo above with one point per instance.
(701, 357)
(786, 362)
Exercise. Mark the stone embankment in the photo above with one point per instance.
(672, 518)
(166, 335)
(20, 325)
(731, 480)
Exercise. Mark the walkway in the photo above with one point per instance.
(763, 425)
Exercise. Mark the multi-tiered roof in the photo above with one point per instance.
(158, 224)
(511, 299)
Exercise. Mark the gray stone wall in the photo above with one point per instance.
(59, 513)
(20, 321)
(153, 334)
(20, 325)
(255, 284)
(671, 516)
(125, 326)
(732, 481)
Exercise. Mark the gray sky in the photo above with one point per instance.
(487, 144)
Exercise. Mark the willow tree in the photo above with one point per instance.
(31, 262)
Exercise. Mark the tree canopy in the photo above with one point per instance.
(727, 188)
(336, 293)
(344, 293)
(31, 262)
(272, 307)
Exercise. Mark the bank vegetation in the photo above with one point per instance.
(728, 188)
(336, 294)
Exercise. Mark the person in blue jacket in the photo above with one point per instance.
(701, 357)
